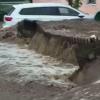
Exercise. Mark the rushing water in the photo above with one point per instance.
(22, 65)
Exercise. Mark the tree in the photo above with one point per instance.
(75, 3)
(70, 2)
(12, 0)
(30, 1)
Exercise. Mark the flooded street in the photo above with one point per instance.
(22, 65)
(28, 75)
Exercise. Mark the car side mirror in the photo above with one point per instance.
(81, 15)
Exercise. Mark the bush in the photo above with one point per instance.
(97, 16)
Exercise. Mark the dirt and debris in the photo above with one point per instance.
(76, 28)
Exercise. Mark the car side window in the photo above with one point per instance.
(10, 10)
(68, 12)
(40, 11)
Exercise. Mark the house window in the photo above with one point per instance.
(91, 1)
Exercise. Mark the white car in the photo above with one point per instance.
(42, 12)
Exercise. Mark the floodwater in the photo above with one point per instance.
(22, 65)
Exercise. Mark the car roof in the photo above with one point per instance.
(40, 5)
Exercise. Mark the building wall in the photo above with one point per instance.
(50, 1)
(87, 8)
(90, 8)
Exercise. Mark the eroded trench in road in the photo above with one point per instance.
(21, 65)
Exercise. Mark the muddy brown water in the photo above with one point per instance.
(16, 66)
(21, 65)
(27, 75)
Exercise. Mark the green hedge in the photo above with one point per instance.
(97, 16)
(13, 0)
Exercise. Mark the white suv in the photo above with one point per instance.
(41, 12)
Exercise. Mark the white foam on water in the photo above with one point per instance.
(96, 82)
